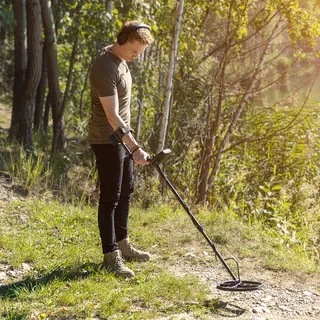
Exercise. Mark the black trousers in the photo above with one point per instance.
(115, 170)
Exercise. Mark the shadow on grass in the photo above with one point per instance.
(30, 284)
(224, 309)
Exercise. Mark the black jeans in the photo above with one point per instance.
(115, 170)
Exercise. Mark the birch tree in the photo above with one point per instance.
(165, 107)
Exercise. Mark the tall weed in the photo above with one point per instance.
(30, 170)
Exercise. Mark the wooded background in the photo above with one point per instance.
(232, 87)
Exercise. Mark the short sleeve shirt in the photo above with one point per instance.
(109, 76)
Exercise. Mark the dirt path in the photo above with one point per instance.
(283, 295)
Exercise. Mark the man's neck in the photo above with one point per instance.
(116, 49)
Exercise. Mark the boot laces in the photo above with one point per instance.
(130, 247)
(119, 261)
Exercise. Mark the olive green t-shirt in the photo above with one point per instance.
(108, 76)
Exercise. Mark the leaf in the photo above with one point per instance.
(265, 189)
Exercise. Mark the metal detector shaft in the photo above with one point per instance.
(194, 220)
(236, 284)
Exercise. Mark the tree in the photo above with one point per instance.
(165, 108)
(58, 142)
(41, 93)
(33, 72)
(251, 28)
(20, 64)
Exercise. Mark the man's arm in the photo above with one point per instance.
(111, 108)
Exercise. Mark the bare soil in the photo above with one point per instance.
(283, 295)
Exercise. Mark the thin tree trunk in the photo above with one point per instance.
(165, 109)
(41, 94)
(83, 91)
(2, 34)
(206, 155)
(71, 65)
(72, 59)
(160, 78)
(20, 64)
(140, 110)
(109, 6)
(241, 106)
(212, 135)
(58, 142)
(46, 114)
(143, 81)
(33, 72)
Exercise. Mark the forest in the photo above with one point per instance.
(231, 87)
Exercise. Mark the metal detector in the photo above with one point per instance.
(236, 284)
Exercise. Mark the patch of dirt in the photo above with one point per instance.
(283, 295)
(9, 190)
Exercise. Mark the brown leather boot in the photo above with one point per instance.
(129, 252)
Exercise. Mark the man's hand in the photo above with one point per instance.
(140, 157)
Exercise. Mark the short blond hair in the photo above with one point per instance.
(142, 35)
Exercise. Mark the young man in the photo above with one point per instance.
(110, 94)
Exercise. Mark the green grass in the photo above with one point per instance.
(61, 244)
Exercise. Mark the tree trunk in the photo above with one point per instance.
(109, 6)
(46, 114)
(206, 155)
(20, 64)
(33, 72)
(165, 109)
(212, 133)
(83, 91)
(58, 142)
(71, 65)
(72, 59)
(140, 110)
(41, 94)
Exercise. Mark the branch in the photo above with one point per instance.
(286, 127)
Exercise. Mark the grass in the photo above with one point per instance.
(61, 244)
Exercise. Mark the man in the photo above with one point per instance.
(110, 94)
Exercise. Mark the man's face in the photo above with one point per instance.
(131, 50)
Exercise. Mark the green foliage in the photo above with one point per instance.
(31, 171)
(70, 176)
(275, 182)
(303, 22)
